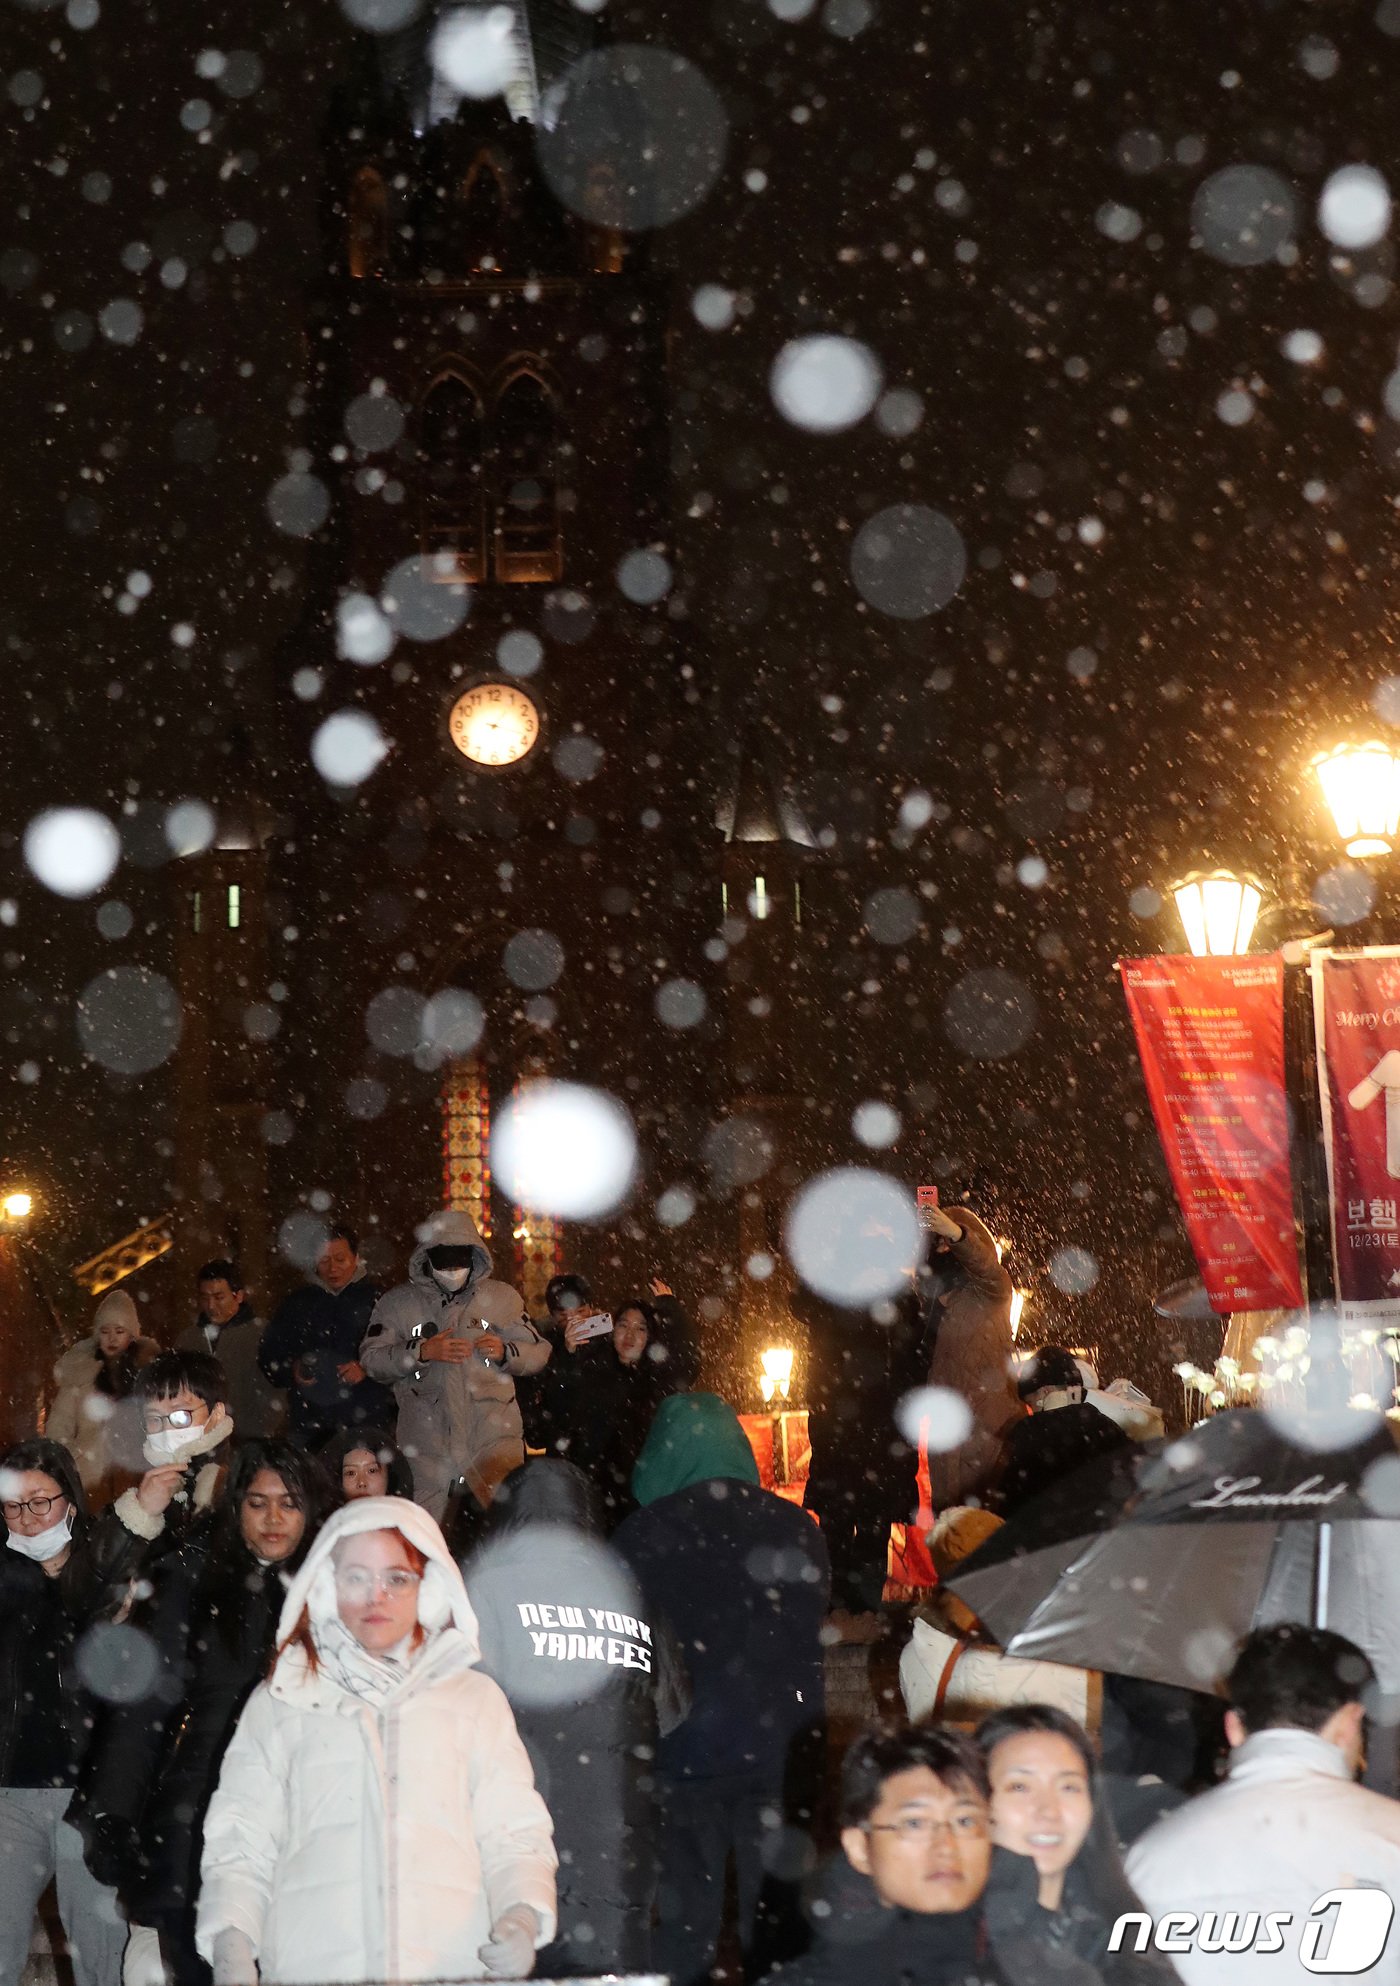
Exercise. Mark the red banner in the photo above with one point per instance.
(1210, 1035)
(1356, 1004)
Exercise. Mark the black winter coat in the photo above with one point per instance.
(229, 1633)
(131, 1734)
(1042, 1449)
(43, 1620)
(591, 1677)
(1068, 1946)
(858, 1371)
(212, 1618)
(313, 1333)
(600, 1414)
(745, 1581)
(590, 1409)
(875, 1946)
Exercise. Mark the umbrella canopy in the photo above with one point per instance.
(1187, 1300)
(1159, 1565)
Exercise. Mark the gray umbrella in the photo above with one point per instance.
(1160, 1564)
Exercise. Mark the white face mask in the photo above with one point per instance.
(452, 1279)
(168, 1444)
(182, 1444)
(45, 1544)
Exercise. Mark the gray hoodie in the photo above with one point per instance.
(457, 1419)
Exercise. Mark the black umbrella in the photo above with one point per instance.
(1159, 1565)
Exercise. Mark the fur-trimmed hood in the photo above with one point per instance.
(77, 1366)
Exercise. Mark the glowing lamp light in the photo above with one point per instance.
(776, 1372)
(1018, 1309)
(1217, 912)
(17, 1207)
(1361, 785)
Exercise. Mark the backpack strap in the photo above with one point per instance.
(959, 1649)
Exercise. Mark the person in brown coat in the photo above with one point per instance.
(968, 1337)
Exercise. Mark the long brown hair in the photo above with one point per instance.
(301, 1635)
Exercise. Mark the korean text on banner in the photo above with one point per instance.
(1356, 1005)
(1210, 1036)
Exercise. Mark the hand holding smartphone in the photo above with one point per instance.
(579, 1329)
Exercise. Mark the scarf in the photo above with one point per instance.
(356, 1671)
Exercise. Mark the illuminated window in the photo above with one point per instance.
(466, 1142)
(235, 906)
(761, 901)
(368, 243)
(197, 911)
(539, 1238)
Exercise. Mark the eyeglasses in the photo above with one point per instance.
(925, 1827)
(356, 1583)
(37, 1506)
(177, 1417)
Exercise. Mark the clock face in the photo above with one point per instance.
(494, 724)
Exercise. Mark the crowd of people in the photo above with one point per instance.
(405, 1638)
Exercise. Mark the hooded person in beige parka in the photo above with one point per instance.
(452, 1341)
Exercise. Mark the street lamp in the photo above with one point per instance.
(1217, 911)
(1361, 785)
(776, 1369)
(15, 1210)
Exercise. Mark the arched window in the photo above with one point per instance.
(367, 248)
(450, 446)
(486, 214)
(525, 450)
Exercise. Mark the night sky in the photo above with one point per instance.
(1179, 538)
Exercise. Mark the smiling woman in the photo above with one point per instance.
(1057, 1883)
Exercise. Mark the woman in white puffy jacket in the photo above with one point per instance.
(376, 1816)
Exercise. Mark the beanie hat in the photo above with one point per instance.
(1051, 1366)
(117, 1308)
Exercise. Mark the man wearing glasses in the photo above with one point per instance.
(915, 1823)
(186, 1426)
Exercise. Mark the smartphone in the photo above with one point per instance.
(927, 1202)
(597, 1326)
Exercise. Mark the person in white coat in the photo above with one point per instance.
(376, 1816)
(1287, 1826)
(951, 1672)
(92, 1415)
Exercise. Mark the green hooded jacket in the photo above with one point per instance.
(694, 1438)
